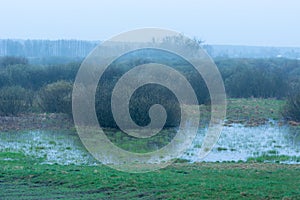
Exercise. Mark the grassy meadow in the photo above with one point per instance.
(25, 178)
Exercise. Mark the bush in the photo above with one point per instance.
(14, 100)
(292, 108)
(244, 78)
(56, 97)
(139, 105)
(35, 77)
(148, 95)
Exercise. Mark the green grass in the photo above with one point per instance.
(254, 109)
(251, 111)
(25, 178)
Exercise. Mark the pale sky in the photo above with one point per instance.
(237, 22)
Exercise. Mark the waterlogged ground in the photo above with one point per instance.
(57, 146)
(271, 142)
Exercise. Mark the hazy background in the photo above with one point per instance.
(255, 22)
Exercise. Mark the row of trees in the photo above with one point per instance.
(24, 87)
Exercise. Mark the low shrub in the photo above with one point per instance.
(56, 97)
(139, 105)
(14, 100)
(292, 108)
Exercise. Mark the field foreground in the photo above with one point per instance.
(26, 178)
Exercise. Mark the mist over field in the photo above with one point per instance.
(96, 104)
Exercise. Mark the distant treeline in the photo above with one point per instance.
(32, 88)
(70, 49)
(46, 48)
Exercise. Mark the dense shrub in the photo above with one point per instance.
(56, 97)
(244, 78)
(265, 78)
(292, 107)
(14, 100)
(148, 95)
(35, 77)
(139, 105)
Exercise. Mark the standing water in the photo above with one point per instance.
(239, 143)
(236, 143)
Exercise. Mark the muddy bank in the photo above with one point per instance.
(33, 121)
